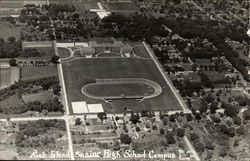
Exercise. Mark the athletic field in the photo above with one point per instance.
(81, 72)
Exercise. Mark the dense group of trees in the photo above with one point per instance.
(10, 49)
(135, 27)
(50, 106)
(45, 83)
(187, 87)
(32, 53)
(30, 134)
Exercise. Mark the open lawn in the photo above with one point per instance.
(80, 72)
(49, 51)
(38, 72)
(140, 51)
(42, 97)
(214, 76)
(7, 29)
(120, 90)
(63, 52)
(8, 76)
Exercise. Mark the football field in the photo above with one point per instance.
(81, 72)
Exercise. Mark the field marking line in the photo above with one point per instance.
(167, 80)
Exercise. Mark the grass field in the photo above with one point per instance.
(126, 90)
(38, 72)
(140, 51)
(63, 52)
(42, 97)
(7, 29)
(214, 76)
(8, 76)
(80, 72)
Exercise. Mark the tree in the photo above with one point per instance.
(199, 146)
(197, 116)
(134, 118)
(246, 114)
(11, 39)
(125, 139)
(209, 144)
(209, 98)
(180, 132)
(213, 107)
(189, 117)
(162, 131)
(1, 40)
(240, 130)
(237, 120)
(137, 129)
(189, 103)
(102, 115)
(170, 138)
(56, 89)
(12, 62)
(203, 107)
(223, 128)
(172, 118)
(231, 110)
(231, 131)
(215, 119)
(194, 136)
(78, 121)
(54, 59)
(223, 152)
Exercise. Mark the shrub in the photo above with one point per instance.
(12, 62)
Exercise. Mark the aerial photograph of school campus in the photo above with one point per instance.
(129, 80)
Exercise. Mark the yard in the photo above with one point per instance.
(214, 76)
(28, 73)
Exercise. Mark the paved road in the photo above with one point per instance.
(34, 118)
(191, 148)
(65, 102)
